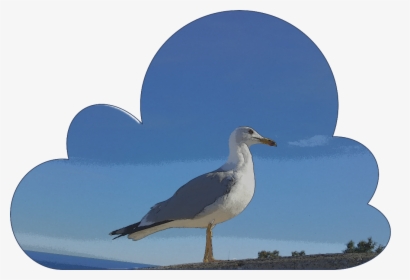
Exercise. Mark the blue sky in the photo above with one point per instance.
(219, 72)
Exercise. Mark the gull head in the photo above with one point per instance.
(249, 136)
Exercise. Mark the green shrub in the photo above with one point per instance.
(268, 255)
(379, 249)
(350, 247)
(297, 254)
(363, 247)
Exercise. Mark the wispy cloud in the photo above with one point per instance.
(179, 249)
(317, 140)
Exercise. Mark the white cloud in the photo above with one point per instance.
(317, 140)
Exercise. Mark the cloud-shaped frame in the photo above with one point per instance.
(193, 96)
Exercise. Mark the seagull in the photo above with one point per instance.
(209, 199)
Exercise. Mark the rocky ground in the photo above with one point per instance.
(308, 262)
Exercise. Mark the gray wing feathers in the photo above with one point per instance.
(190, 199)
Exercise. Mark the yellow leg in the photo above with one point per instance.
(209, 255)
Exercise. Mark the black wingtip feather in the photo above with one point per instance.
(134, 228)
(121, 235)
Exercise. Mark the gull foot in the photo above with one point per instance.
(211, 259)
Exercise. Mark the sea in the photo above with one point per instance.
(65, 262)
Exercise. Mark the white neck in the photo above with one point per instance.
(239, 156)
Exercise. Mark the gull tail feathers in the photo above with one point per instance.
(137, 232)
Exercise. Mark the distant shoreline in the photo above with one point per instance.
(308, 262)
(69, 262)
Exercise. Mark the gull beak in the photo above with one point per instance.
(268, 141)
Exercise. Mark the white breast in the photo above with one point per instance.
(241, 193)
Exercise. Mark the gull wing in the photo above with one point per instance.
(190, 199)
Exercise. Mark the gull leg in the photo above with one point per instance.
(211, 251)
(207, 244)
(209, 255)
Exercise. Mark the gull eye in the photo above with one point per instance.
(250, 131)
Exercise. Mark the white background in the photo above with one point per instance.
(59, 57)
